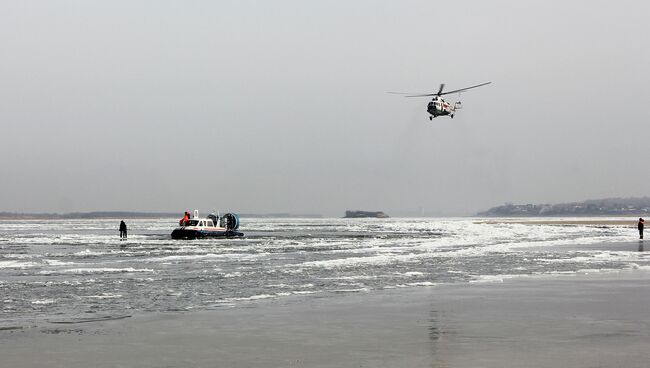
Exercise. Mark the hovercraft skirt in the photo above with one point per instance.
(200, 234)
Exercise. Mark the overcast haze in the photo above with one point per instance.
(280, 106)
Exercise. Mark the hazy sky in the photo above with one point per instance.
(280, 106)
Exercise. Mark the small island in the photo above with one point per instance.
(364, 214)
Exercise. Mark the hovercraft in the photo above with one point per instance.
(211, 226)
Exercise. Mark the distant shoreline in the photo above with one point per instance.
(127, 215)
(84, 215)
(593, 207)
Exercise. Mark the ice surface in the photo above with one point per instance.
(75, 267)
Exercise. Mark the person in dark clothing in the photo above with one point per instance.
(640, 226)
(122, 230)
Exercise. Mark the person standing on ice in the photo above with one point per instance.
(640, 226)
(122, 230)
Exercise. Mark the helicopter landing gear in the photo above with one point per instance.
(430, 117)
(452, 116)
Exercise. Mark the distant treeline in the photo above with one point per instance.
(595, 207)
(127, 215)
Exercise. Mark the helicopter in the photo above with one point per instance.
(439, 107)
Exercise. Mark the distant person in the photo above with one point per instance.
(640, 226)
(122, 230)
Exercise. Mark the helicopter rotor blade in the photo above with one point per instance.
(464, 89)
(411, 94)
(440, 91)
(427, 95)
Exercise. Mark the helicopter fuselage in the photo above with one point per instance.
(439, 107)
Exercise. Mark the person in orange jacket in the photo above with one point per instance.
(185, 219)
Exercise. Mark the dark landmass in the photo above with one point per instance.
(596, 207)
(126, 215)
(362, 214)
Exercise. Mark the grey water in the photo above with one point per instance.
(61, 270)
